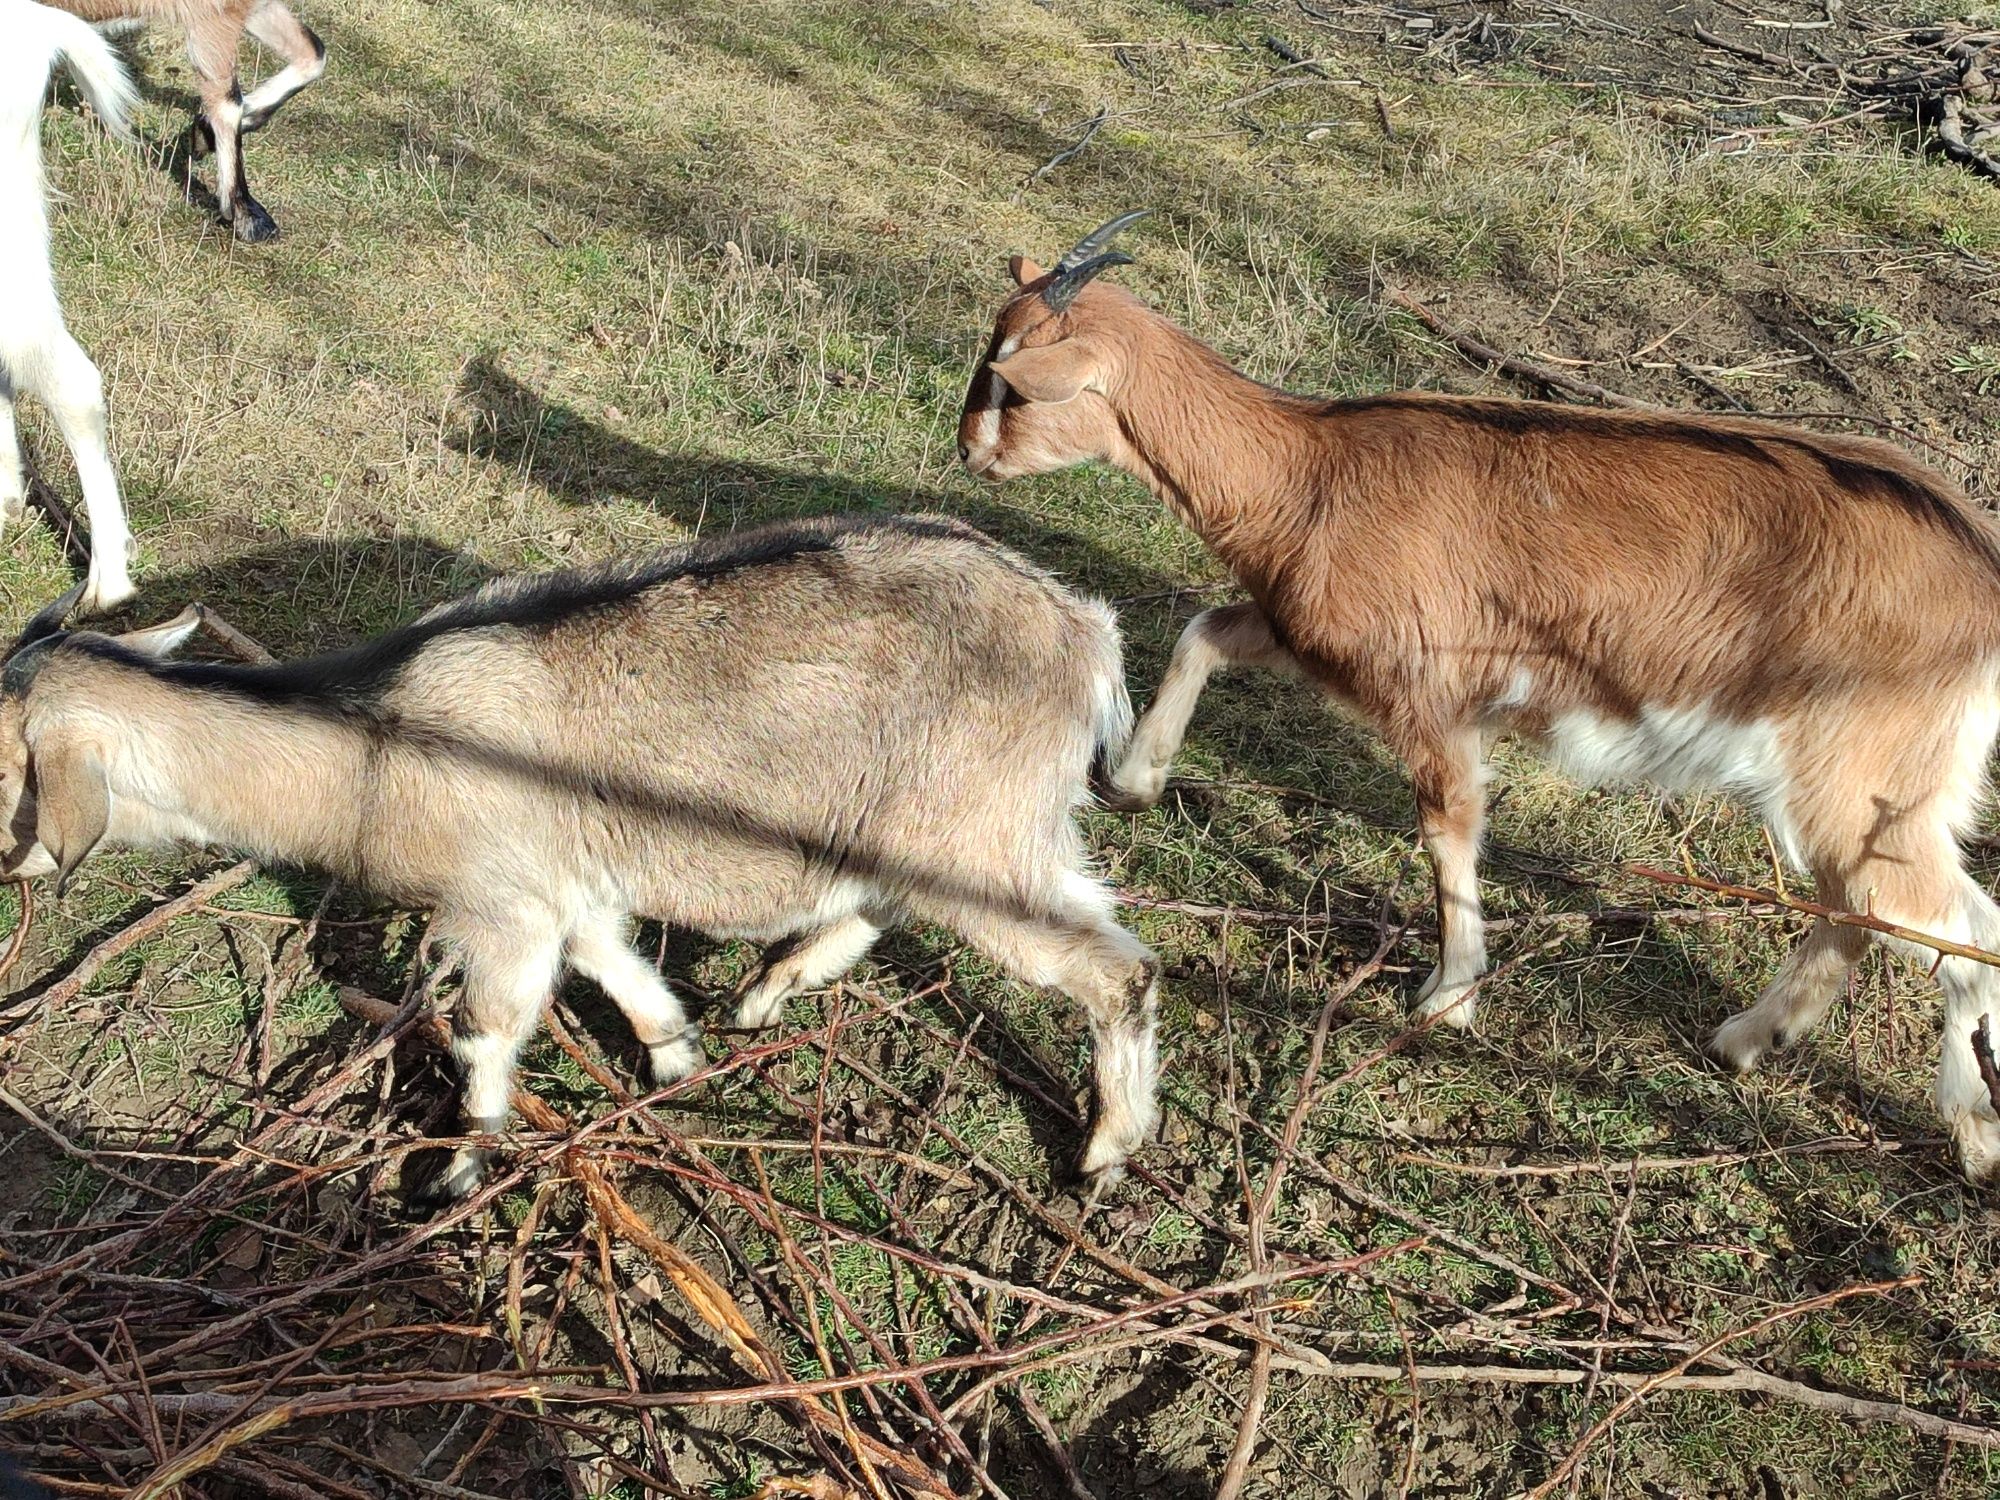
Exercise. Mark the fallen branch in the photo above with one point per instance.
(1090, 128)
(25, 894)
(66, 989)
(1653, 1383)
(236, 642)
(1982, 1050)
(706, 1296)
(1741, 49)
(1829, 914)
(1835, 1147)
(1527, 369)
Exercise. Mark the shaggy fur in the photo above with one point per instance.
(800, 735)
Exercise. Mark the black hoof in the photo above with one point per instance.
(254, 226)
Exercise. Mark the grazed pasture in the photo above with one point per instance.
(562, 278)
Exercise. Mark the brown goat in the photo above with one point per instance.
(1809, 622)
(214, 34)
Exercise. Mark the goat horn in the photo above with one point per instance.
(1095, 243)
(1086, 258)
(1062, 289)
(47, 623)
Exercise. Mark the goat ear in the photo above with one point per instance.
(72, 805)
(1024, 270)
(163, 640)
(1053, 373)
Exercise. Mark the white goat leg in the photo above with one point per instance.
(508, 978)
(1234, 635)
(602, 953)
(75, 395)
(805, 965)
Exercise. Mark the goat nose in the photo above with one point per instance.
(964, 453)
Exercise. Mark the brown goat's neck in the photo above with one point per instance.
(1230, 457)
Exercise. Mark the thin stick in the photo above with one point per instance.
(1982, 1049)
(1528, 369)
(236, 642)
(1829, 914)
(66, 989)
(25, 894)
(1655, 1382)
(1090, 128)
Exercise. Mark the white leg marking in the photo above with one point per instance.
(822, 956)
(601, 952)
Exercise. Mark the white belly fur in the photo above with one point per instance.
(1680, 749)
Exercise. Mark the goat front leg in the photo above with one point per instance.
(74, 392)
(1451, 814)
(509, 975)
(1236, 635)
(603, 954)
(803, 964)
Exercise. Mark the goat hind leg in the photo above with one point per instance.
(804, 964)
(1971, 1002)
(214, 58)
(1451, 811)
(508, 978)
(273, 24)
(1233, 635)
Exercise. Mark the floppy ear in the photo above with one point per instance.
(1053, 373)
(72, 805)
(1024, 270)
(163, 640)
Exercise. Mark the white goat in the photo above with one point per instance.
(37, 353)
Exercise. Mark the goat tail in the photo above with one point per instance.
(106, 83)
(1111, 705)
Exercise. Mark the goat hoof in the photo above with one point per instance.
(1739, 1044)
(1133, 791)
(253, 226)
(676, 1058)
(1093, 1187)
(457, 1177)
(1455, 1006)
(1976, 1141)
(758, 1010)
(106, 594)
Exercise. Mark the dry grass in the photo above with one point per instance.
(567, 277)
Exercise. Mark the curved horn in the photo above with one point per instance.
(1087, 258)
(50, 619)
(1063, 287)
(1094, 243)
(22, 660)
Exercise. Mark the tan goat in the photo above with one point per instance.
(1809, 622)
(215, 31)
(796, 735)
